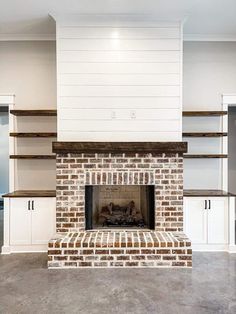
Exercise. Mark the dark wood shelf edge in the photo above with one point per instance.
(33, 134)
(204, 113)
(40, 112)
(32, 156)
(205, 193)
(204, 134)
(119, 147)
(31, 193)
(193, 156)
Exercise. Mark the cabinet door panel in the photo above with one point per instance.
(195, 220)
(20, 222)
(218, 221)
(43, 220)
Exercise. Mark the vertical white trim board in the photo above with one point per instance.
(9, 101)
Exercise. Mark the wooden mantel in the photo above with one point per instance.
(119, 147)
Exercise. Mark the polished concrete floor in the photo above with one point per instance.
(26, 286)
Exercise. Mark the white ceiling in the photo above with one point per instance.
(204, 19)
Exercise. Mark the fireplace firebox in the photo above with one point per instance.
(119, 206)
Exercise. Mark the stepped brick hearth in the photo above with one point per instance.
(119, 164)
(119, 249)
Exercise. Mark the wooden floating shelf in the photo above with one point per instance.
(204, 113)
(204, 134)
(33, 134)
(32, 156)
(42, 112)
(193, 156)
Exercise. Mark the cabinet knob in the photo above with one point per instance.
(28, 205)
(32, 205)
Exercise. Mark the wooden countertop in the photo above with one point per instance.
(52, 193)
(32, 193)
(208, 193)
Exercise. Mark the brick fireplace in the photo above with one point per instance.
(119, 241)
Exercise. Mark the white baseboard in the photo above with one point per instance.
(210, 247)
(232, 248)
(24, 249)
(6, 250)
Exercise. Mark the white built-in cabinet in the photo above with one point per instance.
(32, 220)
(206, 220)
(30, 205)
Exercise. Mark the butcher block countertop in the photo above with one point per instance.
(52, 193)
(206, 193)
(32, 193)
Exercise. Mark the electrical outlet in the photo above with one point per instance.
(113, 115)
(133, 114)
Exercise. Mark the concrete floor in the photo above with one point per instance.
(26, 286)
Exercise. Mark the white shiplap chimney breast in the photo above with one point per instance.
(119, 79)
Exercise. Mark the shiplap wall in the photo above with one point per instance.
(119, 80)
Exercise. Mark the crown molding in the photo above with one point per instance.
(27, 37)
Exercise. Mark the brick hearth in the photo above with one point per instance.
(159, 164)
(119, 249)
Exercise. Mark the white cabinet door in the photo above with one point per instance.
(20, 221)
(195, 219)
(218, 221)
(43, 219)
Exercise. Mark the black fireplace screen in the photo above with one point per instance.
(119, 206)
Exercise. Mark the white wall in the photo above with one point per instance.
(209, 69)
(28, 70)
(119, 80)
